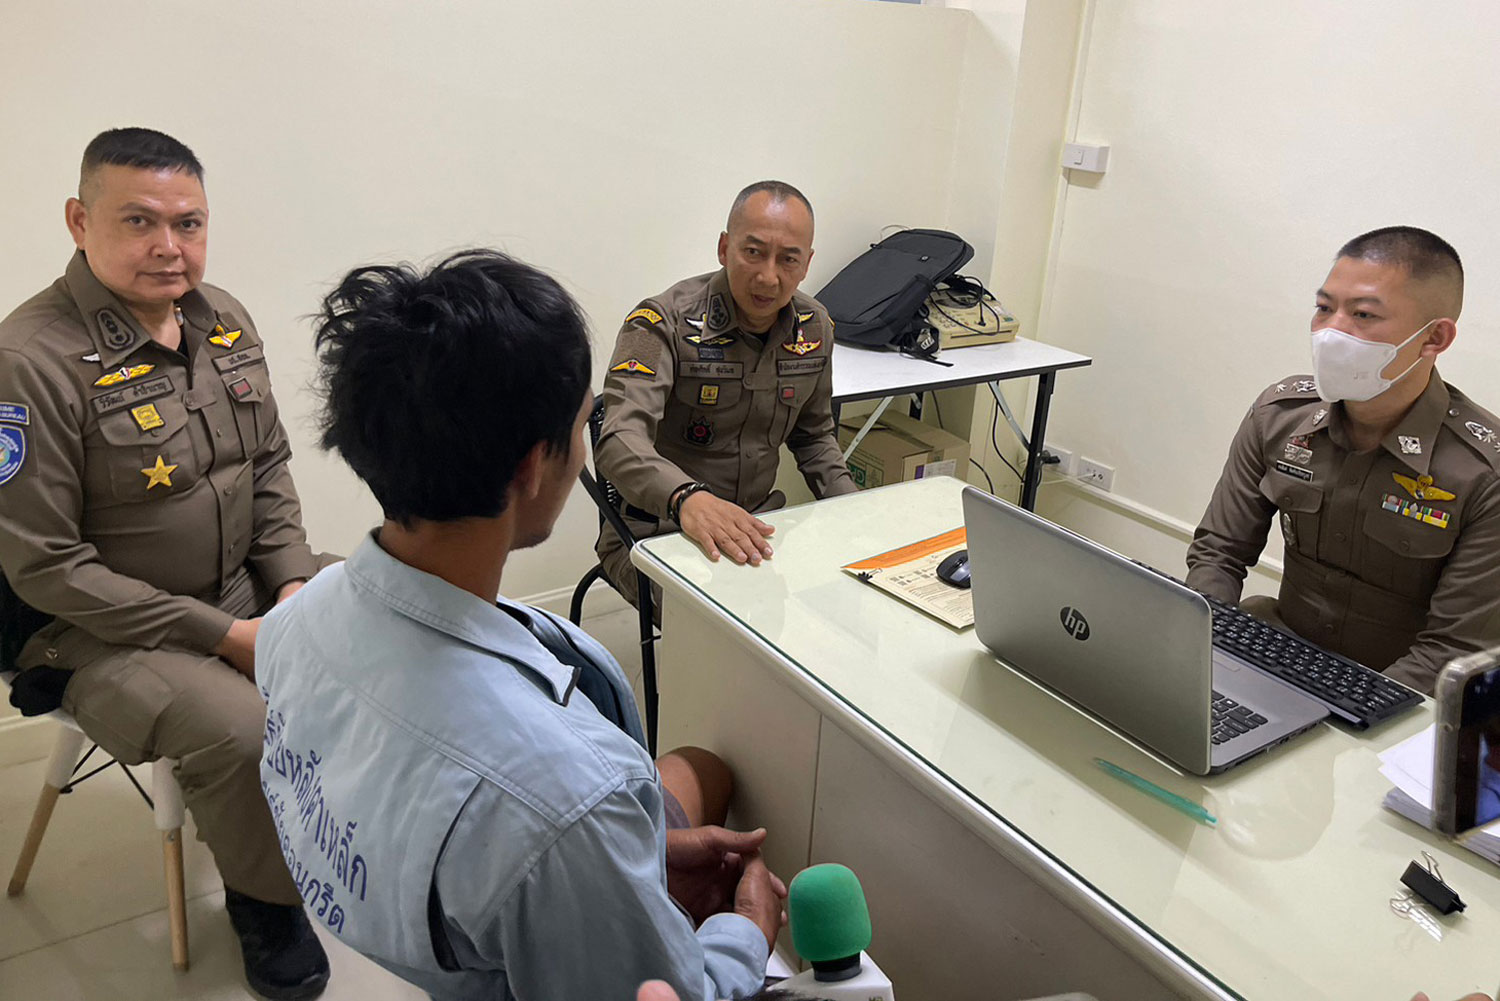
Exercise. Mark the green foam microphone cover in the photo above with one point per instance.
(827, 912)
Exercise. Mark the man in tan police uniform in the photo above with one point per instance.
(1388, 483)
(146, 503)
(710, 378)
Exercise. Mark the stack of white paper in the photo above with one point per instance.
(1409, 765)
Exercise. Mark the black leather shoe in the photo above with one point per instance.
(284, 961)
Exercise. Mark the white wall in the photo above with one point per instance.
(1248, 142)
(601, 141)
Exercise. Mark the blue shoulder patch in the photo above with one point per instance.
(12, 452)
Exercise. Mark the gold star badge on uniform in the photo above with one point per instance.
(124, 374)
(1421, 488)
(224, 338)
(161, 473)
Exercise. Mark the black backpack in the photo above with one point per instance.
(877, 300)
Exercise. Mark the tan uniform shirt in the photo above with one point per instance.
(145, 481)
(690, 396)
(1392, 555)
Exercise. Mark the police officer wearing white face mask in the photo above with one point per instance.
(1387, 479)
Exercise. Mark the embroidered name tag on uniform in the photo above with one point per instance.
(129, 396)
(711, 369)
(800, 366)
(1417, 512)
(245, 356)
(146, 416)
(1296, 471)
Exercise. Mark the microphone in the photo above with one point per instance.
(830, 924)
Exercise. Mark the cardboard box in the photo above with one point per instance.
(899, 449)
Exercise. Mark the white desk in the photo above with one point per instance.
(863, 374)
(992, 850)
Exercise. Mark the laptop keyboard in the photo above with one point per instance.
(1352, 692)
(1232, 719)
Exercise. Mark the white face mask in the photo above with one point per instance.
(1346, 367)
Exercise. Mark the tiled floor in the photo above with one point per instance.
(92, 924)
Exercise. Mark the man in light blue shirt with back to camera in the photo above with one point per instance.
(461, 786)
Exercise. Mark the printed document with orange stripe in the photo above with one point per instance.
(910, 573)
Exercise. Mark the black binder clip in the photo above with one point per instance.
(1427, 882)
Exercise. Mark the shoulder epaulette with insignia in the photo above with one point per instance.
(1476, 427)
(1298, 388)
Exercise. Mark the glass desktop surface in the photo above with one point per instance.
(1287, 897)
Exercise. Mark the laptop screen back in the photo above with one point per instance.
(1122, 642)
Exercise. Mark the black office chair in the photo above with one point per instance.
(607, 499)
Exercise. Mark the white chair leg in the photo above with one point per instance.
(166, 795)
(65, 754)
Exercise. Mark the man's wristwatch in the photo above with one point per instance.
(674, 506)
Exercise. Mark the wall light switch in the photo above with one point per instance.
(1082, 156)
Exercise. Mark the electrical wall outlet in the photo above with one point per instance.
(1095, 473)
(1067, 462)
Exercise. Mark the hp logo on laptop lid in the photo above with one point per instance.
(1074, 622)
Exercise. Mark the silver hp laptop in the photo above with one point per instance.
(1123, 642)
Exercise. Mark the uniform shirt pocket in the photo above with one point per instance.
(709, 396)
(249, 391)
(1405, 555)
(1299, 504)
(791, 396)
(142, 453)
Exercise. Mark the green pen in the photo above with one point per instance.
(1173, 800)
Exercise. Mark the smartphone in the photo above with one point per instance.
(1466, 764)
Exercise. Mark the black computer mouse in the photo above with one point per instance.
(954, 570)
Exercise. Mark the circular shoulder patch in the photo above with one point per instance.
(12, 451)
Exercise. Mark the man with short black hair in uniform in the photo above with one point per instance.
(709, 379)
(146, 504)
(1386, 478)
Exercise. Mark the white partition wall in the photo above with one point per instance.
(1248, 142)
(602, 141)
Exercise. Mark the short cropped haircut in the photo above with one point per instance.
(136, 147)
(1424, 256)
(436, 385)
(779, 191)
